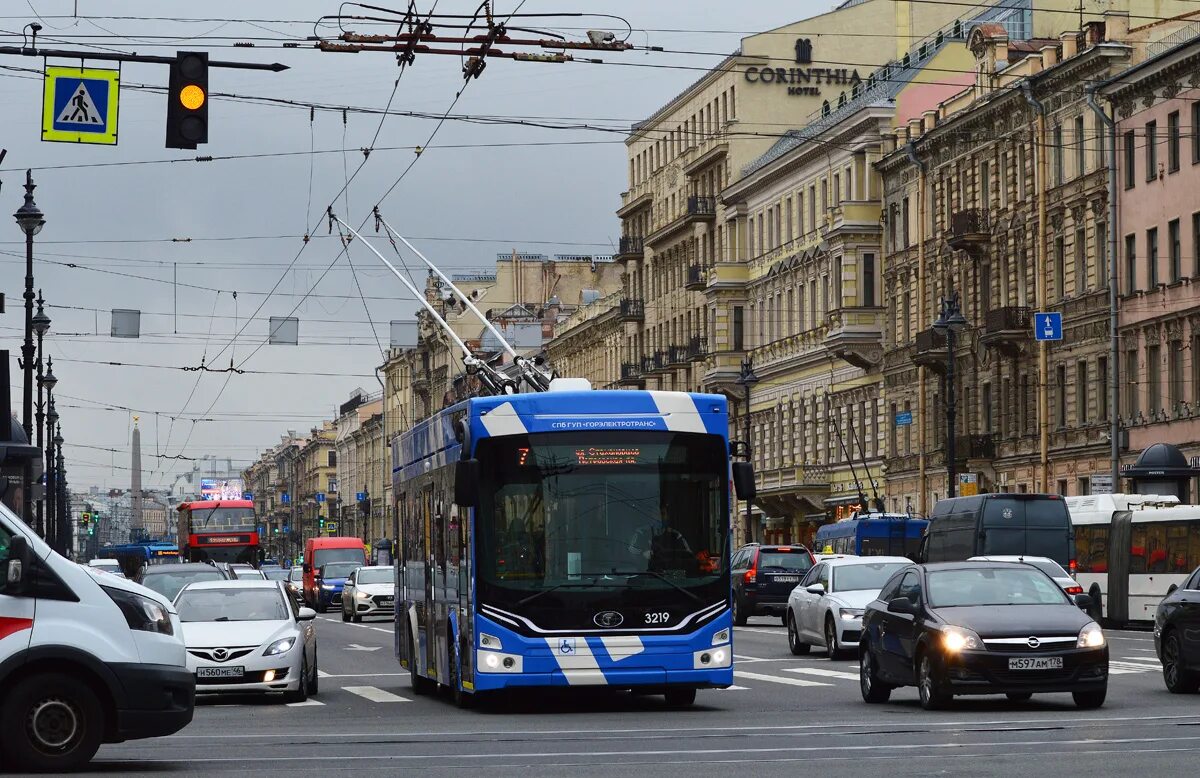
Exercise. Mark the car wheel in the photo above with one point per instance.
(357, 619)
(345, 615)
(315, 679)
(301, 693)
(1177, 678)
(929, 684)
(739, 613)
(421, 685)
(873, 690)
(798, 646)
(1019, 696)
(831, 639)
(680, 698)
(1090, 700)
(50, 724)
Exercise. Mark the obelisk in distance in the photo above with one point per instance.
(135, 484)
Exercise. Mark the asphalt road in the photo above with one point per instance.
(787, 715)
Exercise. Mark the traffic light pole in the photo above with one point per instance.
(119, 57)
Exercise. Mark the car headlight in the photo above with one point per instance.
(328, 587)
(1091, 636)
(141, 613)
(955, 639)
(280, 646)
(362, 595)
(850, 614)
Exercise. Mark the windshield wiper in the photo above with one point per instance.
(659, 576)
(571, 584)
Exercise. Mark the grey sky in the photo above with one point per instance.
(554, 198)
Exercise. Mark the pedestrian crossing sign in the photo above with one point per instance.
(79, 105)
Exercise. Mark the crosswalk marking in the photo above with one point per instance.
(305, 704)
(375, 694)
(777, 679)
(1126, 666)
(824, 673)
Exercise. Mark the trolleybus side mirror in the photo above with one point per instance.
(466, 483)
(743, 480)
(20, 562)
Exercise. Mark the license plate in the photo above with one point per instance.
(236, 671)
(1035, 663)
(787, 579)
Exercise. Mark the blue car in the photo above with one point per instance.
(330, 580)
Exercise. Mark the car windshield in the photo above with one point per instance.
(296, 574)
(851, 578)
(169, 584)
(784, 560)
(339, 569)
(323, 556)
(242, 572)
(232, 604)
(276, 575)
(381, 575)
(992, 586)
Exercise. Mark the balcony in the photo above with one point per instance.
(631, 309)
(1006, 329)
(677, 356)
(647, 365)
(703, 207)
(629, 247)
(631, 375)
(970, 231)
(856, 335)
(697, 349)
(930, 350)
(661, 361)
(974, 447)
(697, 278)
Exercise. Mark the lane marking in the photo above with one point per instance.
(761, 630)
(825, 673)
(307, 703)
(357, 647)
(777, 679)
(735, 688)
(323, 674)
(375, 694)
(362, 675)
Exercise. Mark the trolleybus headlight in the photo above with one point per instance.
(492, 661)
(718, 657)
(721, 637)
(490, 641)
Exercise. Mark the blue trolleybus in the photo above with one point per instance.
(571, 537)
(134, 556)
(873, 534)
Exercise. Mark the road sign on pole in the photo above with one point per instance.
(1047, 326)
(79, 105)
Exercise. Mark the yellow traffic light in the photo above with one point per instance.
(192, 97)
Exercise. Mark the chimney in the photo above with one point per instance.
(914, 129)
(1049, 56)
(1070, 44)
(1116, 26)
(930, 118)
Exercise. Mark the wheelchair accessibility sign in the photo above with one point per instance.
(566, 646)
(79, 105)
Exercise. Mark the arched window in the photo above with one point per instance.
(825, 108)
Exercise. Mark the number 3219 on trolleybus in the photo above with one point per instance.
(218, 531)
(571, 537)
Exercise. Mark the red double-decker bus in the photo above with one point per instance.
(218, 531)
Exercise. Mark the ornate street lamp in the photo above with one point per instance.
(748, 379)
(950, 322)
(30, 219)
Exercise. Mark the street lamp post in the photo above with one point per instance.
(63, 520)
(41, 324)
(950, 322)
(30, 220)
(51, 470)
(748, 379)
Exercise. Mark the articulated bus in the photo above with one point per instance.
(872, 534)
(1131, 549)
(218, 531)
(571, 537)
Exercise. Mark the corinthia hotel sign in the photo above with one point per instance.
(802, 81)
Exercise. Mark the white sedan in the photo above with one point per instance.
(369, 591)
(248, 636)
(826, 608)
(1045, 564)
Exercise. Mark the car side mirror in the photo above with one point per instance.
(902, 605)
(306, 614)
(20, 562)
(466, 483)
(1084, 601)
(1171, 589)
(815, 588)
(743, 481)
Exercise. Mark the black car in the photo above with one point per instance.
(763, 577)
(1177, 636)
(169, 580)
(980, 628)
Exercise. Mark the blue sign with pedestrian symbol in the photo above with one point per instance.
(1047, 326)
(79, 105)
(285, 498)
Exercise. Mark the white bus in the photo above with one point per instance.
(1130, 548)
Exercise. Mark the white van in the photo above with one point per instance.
(85, 658)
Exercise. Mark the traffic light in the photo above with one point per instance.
(187, 100)
(321, 523)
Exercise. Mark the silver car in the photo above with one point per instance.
(248, 636)
(369, 591)
(826, 608)
(1045, 564)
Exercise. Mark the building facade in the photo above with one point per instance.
(316, 496)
